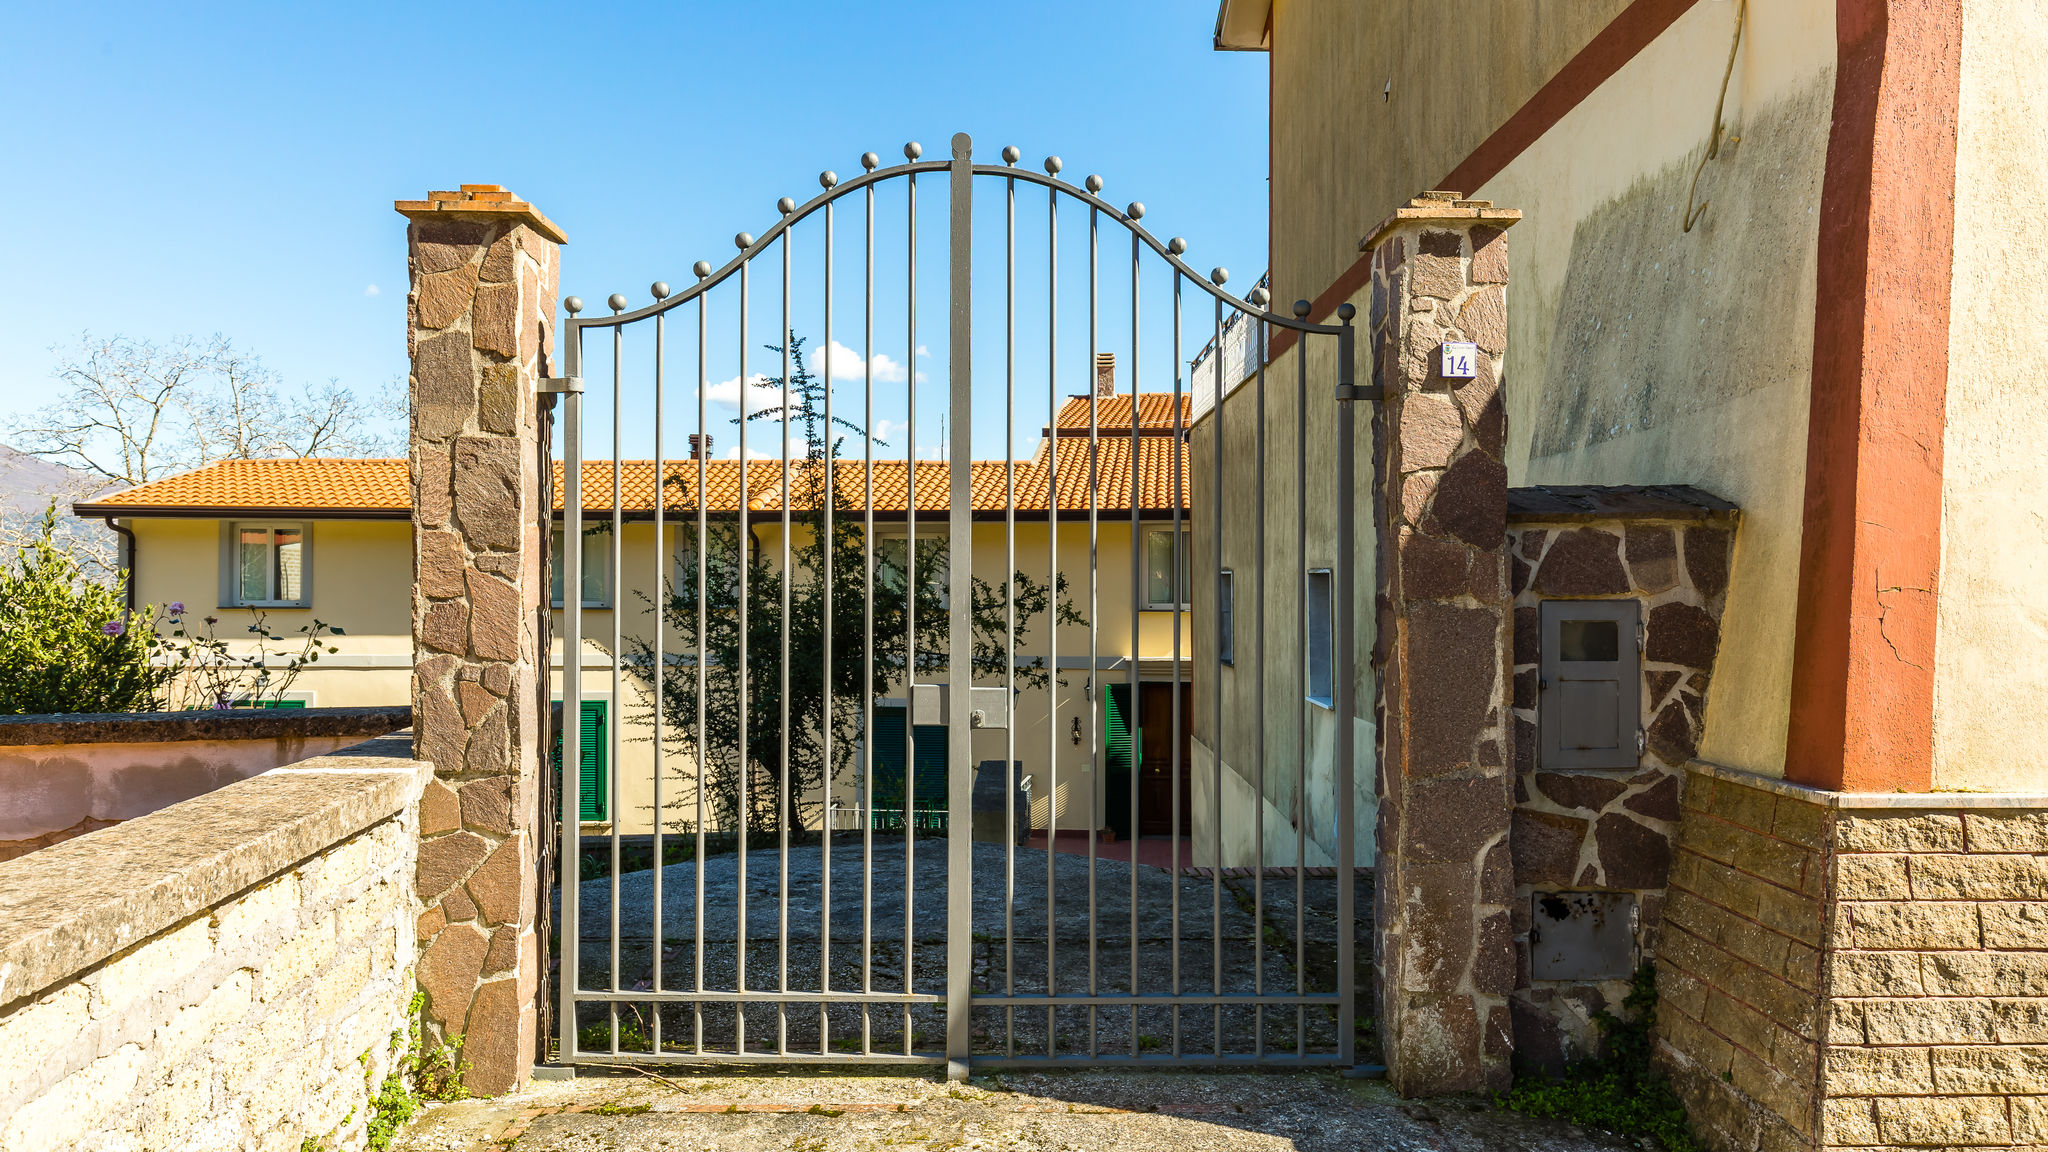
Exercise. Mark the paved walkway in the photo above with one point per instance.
(1106, 1111)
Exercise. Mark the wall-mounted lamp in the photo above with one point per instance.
(1075, 732)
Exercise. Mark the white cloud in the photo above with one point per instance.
(922, 350)
(848, 365)
(372, 290)
(761, 396)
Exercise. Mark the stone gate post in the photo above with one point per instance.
(479, 328)
(1445, 956)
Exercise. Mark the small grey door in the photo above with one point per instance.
(1592, 683)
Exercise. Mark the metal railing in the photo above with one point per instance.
(880, 998)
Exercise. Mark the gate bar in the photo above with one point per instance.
(960, 570)
(570, 863)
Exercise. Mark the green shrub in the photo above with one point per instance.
(67, 642)
(1619, 1090)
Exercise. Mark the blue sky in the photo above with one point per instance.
(231, 169)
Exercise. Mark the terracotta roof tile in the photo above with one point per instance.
(1113, 413)
(382, 488)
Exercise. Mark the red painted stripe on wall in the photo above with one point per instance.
(1862, 709)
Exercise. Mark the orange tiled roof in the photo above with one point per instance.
(1113, 413)
(381, 489)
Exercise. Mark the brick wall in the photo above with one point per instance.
(225, 973)
(1851, 971)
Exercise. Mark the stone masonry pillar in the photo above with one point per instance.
(479, 327)
(1445, 956)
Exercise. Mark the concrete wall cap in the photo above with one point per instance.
(72, 906)
(210, 724)
(1920, 801)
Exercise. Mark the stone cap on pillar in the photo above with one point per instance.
(1440, 207)
(481, 201)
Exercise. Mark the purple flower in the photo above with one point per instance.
(113, 628)
(177, 607)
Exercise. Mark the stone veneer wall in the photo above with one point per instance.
(1587, 830)
(1843, 970)
(226, 973)
(480, 331)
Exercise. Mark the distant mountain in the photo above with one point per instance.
(28, 484)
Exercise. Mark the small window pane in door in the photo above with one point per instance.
(1589, 640)
(253, 564)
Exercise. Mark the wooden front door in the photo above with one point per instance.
(1156, 767)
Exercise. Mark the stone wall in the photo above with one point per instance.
(1843, 970)
(226, 973)
(1608, 831)
(480, 330)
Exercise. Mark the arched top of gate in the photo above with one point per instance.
(835, 189)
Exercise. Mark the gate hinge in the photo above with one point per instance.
(1358, 392)
(557, 384)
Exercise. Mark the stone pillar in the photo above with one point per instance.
(479, 327)
(1445, 956)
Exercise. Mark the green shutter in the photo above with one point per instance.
(889, 761)
(270, 704)
(1117, 730)
(592, 750)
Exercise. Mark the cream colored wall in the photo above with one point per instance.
(362, 582)
(1298, 738)
(1347, 150)
(1639, 353)
(1991, 647)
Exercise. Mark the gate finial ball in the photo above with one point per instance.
(572, 304)
(743, 240)
(1135, 211)
(658, 289)
(1053, 165)
(1176, 245)
(1093, 183)
(618, 302)
(1012, 153)
(1256, 297)
(702, 268)
(1346, 311)
(870, 161)
(913, 150)
(1301, 308)
(1218, 275)
(785, 205)
(828, 179)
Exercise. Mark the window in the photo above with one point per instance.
(266, 565)
(1166, 576)
(1226, 618)
(593, 746)
(1322, 682)
(892, 561)
(597, 559)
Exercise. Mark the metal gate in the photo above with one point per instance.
(750, 868)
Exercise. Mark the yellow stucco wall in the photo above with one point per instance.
(1347, 150)
(1639, 353)
(1991, 648)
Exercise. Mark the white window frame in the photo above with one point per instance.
(899, 535)
(604, 555)
(1319, 655)
(231, 564)
(1184, 578)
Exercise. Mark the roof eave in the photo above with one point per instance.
(229, 511)
(1244, 25)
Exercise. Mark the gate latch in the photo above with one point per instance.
(560, 384)
(986, 707)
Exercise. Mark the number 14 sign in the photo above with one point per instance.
(1460, 361)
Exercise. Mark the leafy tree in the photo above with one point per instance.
(784, 704)
(68, 642)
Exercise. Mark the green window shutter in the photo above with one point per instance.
(1122, 748)
(269, 704)
(592, 750)
(889, 761)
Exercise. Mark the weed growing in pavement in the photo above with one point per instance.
(420, 1071)
(1619, 1090)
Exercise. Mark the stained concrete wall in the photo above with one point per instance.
(1991, 648)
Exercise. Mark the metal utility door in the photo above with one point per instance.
(784, 633)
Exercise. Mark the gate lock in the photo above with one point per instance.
(986, 707)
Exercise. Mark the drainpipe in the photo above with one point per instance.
(127, 534)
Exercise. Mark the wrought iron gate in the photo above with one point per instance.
(756, 719)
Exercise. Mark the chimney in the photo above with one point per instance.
(700, 445)
(1105, 373)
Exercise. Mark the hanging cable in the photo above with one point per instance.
(1692, 215)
